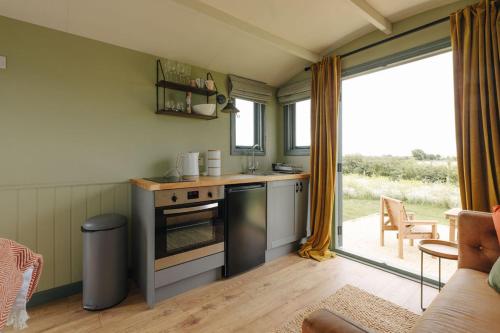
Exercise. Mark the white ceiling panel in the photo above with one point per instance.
(398, 10)
(172, 30)
(313, 24)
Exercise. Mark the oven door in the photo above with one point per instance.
(187, 232)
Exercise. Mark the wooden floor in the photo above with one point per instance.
(257, 301)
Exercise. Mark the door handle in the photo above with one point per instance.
(189, 209)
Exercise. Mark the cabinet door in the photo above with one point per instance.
(281, 228)
(301, 208)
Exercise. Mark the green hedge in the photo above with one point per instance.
(397, 168)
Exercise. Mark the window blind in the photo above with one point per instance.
(255, 91)
(295, 91)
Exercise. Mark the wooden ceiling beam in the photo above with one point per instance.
(250, 29)
(373, 16)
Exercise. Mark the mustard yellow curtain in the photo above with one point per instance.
(325, 96)
(475, 35)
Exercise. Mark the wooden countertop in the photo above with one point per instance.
(213, 181)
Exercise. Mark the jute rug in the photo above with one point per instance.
(362, 308)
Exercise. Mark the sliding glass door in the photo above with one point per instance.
(397, 140)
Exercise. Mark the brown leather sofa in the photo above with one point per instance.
(466, 303)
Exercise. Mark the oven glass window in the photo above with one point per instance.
(178, 232)
(189, 231)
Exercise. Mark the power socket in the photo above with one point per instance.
(3, 62)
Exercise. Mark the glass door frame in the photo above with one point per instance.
(410, 55)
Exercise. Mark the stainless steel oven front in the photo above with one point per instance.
(189, 224)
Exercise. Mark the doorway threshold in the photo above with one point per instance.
(389, 269)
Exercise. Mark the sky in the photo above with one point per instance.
(396, 110)
(244, 123)
(303, 123)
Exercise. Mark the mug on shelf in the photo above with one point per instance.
(210, 84)
(200, 83)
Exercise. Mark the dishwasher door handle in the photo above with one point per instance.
(245, 188)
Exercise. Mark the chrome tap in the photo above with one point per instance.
(253, 167)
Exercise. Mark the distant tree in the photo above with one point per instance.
(419, 154)
(397, 168)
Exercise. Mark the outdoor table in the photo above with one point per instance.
(436, 248)
(452, 215)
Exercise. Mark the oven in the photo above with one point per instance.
(189, 224)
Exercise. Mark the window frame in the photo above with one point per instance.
(259, 131)
(291, 149)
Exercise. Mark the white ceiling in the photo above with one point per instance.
(170, 29)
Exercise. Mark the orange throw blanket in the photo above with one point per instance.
(15, 260)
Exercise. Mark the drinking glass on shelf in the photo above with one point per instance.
(187, 73)
(180, 107)
(164, 67)
(169, 104)
(180, 72)
(171, 68)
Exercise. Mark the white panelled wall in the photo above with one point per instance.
(47, 219)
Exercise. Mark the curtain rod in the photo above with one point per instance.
(388, 39)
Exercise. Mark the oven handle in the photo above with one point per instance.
(189, 209)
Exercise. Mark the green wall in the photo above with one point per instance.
(77, 110)
(407, 42)
(76, 122)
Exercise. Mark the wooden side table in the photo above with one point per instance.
(451, 215)
(437, 248)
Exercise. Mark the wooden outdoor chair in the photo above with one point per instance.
(393, 216)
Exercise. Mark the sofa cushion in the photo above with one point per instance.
(494, 277)
(466, 304)
(478, 246)
(496, 220)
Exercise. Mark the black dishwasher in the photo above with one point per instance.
(245, 227)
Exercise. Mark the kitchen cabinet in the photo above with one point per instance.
(160, 276)
(301, 208)
(283, 212)
(287, 212)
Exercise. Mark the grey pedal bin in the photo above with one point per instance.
(104, 261)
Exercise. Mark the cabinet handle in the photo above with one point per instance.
(296, 187)
(301, 187)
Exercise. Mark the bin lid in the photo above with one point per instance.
(104, 222)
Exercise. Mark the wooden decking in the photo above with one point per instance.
(258, 301)
(361, 237)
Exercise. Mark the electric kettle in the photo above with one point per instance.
(187, 165)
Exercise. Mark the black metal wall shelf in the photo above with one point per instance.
(184, 87)
(185, 114)
(161, 98)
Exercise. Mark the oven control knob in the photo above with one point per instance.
(209, 194)
(174, 198)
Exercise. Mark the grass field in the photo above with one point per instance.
(409, 191)
(355, 208)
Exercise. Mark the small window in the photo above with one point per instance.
(298, 128)
(247, 128)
